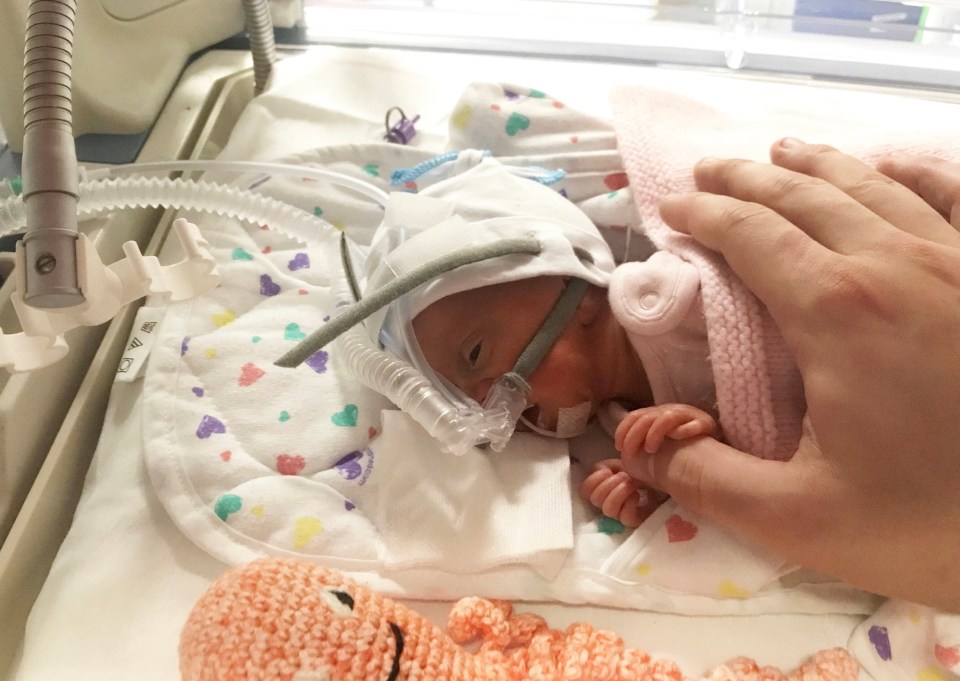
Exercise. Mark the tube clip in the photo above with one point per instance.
(403, 131)
(107, 289)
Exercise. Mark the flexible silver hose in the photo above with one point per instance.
(49, 157)
(260, 31)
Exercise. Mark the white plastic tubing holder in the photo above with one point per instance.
(107, 289)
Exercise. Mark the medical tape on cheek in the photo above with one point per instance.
(572, 421)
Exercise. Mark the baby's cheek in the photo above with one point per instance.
(481, 390)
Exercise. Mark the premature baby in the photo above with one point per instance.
(473, 337)
(634, 346)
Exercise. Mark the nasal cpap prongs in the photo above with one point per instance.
(106, 289)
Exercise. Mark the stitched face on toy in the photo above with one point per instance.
(287, 619)
(473, 337)
(353, 619)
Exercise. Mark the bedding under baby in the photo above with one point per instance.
(250, 460)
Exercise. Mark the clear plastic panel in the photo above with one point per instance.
(875, 41)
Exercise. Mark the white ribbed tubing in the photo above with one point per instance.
(458, 429)
(100, 196)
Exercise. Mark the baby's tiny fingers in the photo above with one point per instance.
(690, 429)
(600, 493)
(667, 422)
(624, 427)
(634, 511)
(635, 437)
(615, 503)
(592, 481)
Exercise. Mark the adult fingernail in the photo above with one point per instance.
(707, 161)
(790, 142)
(671, 209)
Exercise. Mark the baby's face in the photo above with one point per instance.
(474, 337)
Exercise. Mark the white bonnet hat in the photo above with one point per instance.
(486, 203)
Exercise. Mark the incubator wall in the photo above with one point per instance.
(45, 450)
(877, 41)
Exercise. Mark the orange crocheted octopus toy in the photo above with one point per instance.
(289, 620)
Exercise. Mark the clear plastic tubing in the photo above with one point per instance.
(402, 383)
(359, 186)
(103, 195)
(391, 376)
(411, 391)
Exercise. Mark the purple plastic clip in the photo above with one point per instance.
(403, 130)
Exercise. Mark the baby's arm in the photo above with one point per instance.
(617, 493)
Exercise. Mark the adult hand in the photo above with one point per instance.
(860, 269)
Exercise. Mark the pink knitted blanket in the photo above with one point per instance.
(661, 135)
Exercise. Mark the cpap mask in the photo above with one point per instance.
(481, 225)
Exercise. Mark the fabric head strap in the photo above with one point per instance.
(389, 292)
(549, 331)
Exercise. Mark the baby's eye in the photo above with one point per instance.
(475, 354)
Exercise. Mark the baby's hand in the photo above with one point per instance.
(618, 495)
(646, 428)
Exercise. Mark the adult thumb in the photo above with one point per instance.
(724, 484)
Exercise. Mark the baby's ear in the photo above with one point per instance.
(592, 304)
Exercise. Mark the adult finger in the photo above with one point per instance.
(819, 208)
(936, 181)
(773, 257)
(752, 495)
(883, 195)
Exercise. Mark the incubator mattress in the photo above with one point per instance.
(203, 463)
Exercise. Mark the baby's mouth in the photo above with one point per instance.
(535, 415)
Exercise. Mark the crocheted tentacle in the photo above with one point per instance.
(494, 623)
(599, 654)
(472, 618)
(835, 664)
